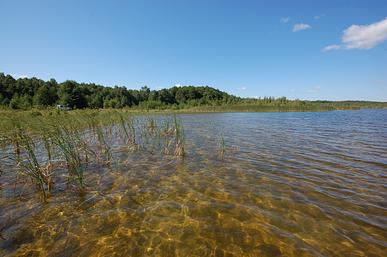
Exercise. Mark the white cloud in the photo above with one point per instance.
(243, 88)
(363, 36)
(285, 19)
(177, 85)
(331, 47)
(301, 26)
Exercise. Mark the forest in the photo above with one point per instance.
(27, 93)
(24, 93)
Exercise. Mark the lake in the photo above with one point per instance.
(281, 184)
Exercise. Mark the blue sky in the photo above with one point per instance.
(247, 48)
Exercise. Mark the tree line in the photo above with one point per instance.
(24, 93)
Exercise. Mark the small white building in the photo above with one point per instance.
(63, 107)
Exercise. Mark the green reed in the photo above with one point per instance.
(179, 137)
(97, 128)
(221, 146)
(30, 166)
(45, 144)
(70, 145)
(103, 144)
(123, 124)
(151, 125)
(129, 131)
(167, 132)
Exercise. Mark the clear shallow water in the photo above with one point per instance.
(290, 184)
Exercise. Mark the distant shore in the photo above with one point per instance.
(34, 93)
(312, 106)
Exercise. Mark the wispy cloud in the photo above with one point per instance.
(317, 17)
(243, 88)
(362, 36)
(285, 19)
(301, 26)
(331, 47)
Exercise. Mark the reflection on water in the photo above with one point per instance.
(290, 184)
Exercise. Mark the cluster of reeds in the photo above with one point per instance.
(95, 129)
(74, 151)
(45, 146)
(167, 134)
(128, 130)
(221, 146)
(30, 165)
(21, 149)
(179, 137)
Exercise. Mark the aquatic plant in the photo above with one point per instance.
(97, 129)
(123, 124)
(47, 144)
(151, 125)
(179, 137)
(128, 130)
(70, 146)
(14, 138)
(30, 166)
(221, 146)
(103, 144)
(167, 128)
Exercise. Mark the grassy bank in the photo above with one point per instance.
(34, 117)
(278, 107)
(257, 105)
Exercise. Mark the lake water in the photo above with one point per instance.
(287, 184)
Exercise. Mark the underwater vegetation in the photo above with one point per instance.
(41, 145)
(117, 183)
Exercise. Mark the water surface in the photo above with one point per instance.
(288, 184)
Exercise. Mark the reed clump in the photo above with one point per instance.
(221, 146)
(30, 165)
(69, 146)
(48, 145)
(179, 137)
(128, 131)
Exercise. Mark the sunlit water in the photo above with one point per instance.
(289, 184)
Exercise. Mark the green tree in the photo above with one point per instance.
(42, 96)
